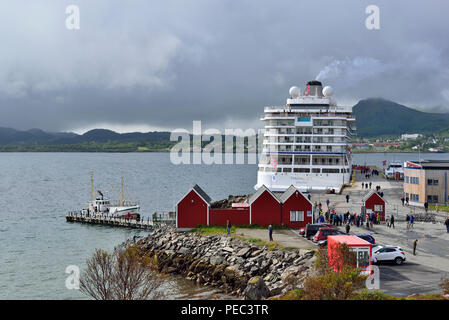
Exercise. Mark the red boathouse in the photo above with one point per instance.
(193, 209)
(373, 202)
(264, 208)
(296, 208)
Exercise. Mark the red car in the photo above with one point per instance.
(322, 234)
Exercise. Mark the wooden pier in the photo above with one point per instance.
(116, 222)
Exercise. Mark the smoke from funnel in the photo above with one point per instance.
(351, 71)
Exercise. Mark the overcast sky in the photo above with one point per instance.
(151, 65)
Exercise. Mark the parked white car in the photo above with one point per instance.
(388, 254)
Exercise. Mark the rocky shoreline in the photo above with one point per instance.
(234, 266)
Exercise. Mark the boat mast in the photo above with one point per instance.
(121, 192)
(91, 186)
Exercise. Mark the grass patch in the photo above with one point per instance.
(256, 226)
(271, 245)
(212, 230)
(441, 207)
(209, 230)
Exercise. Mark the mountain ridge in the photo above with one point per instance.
(380, 117)
(374, 117)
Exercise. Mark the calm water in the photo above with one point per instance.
(37, 189)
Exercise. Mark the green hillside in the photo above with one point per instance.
(380, 117)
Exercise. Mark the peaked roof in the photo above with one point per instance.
(202, 193)
(370, 193)
(259, 192)
(289, 192)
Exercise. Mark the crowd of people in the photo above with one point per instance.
(356, 219)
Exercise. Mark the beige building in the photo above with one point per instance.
(426, 181)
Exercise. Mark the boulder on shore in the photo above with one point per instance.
(256, 289)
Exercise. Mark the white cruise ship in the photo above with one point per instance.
(307, 142)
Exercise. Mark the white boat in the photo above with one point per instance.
(102, 205)
(394, 169)
(307, 142)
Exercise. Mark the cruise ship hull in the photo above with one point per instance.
(307, 142)
(279, 182)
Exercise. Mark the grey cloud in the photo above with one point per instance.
(164, 64)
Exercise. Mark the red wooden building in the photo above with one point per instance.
(236, 215)
(264, 208)
(193, 209)
(373, 202)
(296, 208)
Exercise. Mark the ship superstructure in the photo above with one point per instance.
(307, 142)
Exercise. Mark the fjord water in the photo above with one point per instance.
(37, 189)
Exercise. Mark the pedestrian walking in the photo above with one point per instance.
(370, 185)
(309, 196)
(363, 185)
(415, 243)
(327, 202)
(437, 207)
(347, 198)
(270, 232)
(426, 206)
(407, 220)
(447, 224)
(392, 221)
(412, 220)
(228, 227)
(406, 200)
(348, 227)
(402, 200)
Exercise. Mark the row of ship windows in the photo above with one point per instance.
(308, 148)
(316, 122)
(287, 160)
(305, 139)
(301, 130)
(304, 170)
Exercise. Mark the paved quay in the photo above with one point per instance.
(421, 273)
